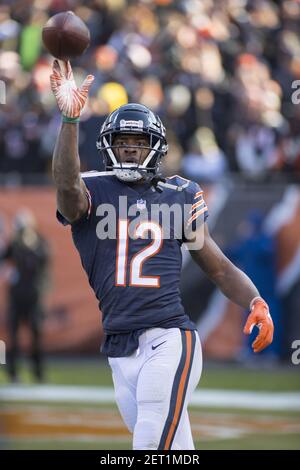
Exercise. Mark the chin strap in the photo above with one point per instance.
(155, 180)
(152, 179)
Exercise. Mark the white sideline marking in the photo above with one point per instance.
(201, 398)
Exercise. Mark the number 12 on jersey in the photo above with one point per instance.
(136, 264)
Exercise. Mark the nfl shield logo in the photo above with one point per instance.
(141, 204)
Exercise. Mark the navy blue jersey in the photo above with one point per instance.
(133, 265)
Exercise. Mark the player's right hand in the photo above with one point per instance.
(260, 316)
(70, 99)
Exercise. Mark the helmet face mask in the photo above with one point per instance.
(138, 120)
(129, 168)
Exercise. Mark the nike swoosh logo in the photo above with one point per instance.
(154, 347)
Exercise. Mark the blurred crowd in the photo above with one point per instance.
(218, 72)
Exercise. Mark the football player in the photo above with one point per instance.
(152, 346)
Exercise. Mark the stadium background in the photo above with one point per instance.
(220, 74)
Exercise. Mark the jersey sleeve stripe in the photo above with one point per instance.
(199, 212)
(194, 206)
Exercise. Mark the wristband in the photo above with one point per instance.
(69, 119)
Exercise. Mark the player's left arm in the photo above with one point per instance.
(238, 287)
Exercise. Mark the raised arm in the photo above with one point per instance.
(72, 199)
(238, 287)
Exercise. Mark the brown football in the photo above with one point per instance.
(65, 36)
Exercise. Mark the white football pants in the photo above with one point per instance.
(154, 385)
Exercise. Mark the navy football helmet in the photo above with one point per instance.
(135, 119)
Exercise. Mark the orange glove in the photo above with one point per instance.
(260, 316)
(70, 99)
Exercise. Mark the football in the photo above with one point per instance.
(65, 36)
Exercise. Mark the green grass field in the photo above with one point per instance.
(85, 372)
(87, 426)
